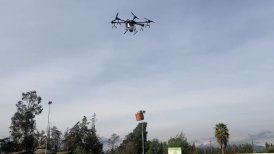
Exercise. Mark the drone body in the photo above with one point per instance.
(131, 24)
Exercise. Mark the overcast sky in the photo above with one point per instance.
(200, 63)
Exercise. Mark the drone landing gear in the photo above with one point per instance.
(114, 26)
(135, 31)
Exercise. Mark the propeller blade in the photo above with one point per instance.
(117, 15)
(116, 18)
(149, 21)
(134, 16)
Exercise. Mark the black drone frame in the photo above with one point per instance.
(130, 24)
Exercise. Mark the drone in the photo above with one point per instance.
(131, 24)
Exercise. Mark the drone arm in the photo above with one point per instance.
(117, 22)
(121, 20)
(140, 24)
(143, 22)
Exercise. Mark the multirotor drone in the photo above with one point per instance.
(131, 24)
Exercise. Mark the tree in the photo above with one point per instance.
(7, 146)
(137, 137)
(269, 148)
(155, 147)
(72, 137)
(127, 145)
(132, 144)
(179, 141)
(40, 138)
(222, 135)
(23, 121)
(112, 142)
(55, 139)
(245, 148)
(81, 139)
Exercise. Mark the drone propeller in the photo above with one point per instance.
(134, 16)
(116, 18)
(117, 15)
(149, 21)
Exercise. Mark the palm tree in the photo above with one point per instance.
(222, 135)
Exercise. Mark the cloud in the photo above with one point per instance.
(264, 135)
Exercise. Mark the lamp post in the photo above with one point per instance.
(48, 129)
(143, 144)
(139, 117)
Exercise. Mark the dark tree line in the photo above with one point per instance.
(269, 147)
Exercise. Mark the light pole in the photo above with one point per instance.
(143, 145)
(139, 117)
(48, 129)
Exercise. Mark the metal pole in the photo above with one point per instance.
(140, 119)
(143, 145)
(48, 129)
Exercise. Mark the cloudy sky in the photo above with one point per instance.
(200, 63)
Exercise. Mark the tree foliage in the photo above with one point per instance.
(112, 143)
(179, 141)
(40, 138)
(82, 139)
(55, 139)
(23, 122)
(244, 148)
(222, 135)
(132, 144)
(269, 148)
(6, 145)
(155, 147)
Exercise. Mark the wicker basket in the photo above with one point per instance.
(139, 116)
